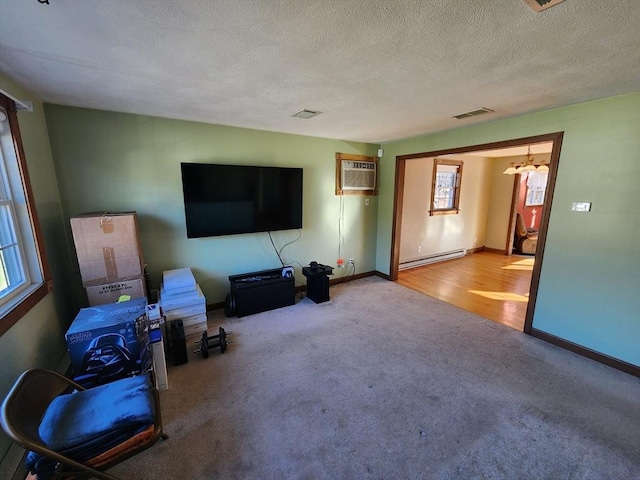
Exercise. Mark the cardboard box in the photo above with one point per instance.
(111, 292)
(107, 247)
(109, 342)
(110, 269)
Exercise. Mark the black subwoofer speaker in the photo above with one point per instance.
(318, 288)
(178, 343)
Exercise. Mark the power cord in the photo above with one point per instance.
(292, 241)
(275, 249)
(353, 274)
(279, 252)
(340, 230)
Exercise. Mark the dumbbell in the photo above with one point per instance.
(215, 341)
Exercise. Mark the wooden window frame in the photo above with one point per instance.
(357, 158)
(44, 286)
(457, 188)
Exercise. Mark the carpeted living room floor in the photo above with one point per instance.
(382, 382)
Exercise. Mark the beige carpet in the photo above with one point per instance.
(384, 383)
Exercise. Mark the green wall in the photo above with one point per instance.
(590, 280)
(37, 340)
(589, 291)
(109, 161)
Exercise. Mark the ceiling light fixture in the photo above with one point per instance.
(542, 168)
(511, 170)
(526, 166)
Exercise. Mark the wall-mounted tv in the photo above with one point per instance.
(234, 199)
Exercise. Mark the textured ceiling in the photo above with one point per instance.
(378, 69)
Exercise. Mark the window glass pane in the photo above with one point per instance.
(3, 192)
(7, 233)
(536, 188)
(444, 194)
(11, 272)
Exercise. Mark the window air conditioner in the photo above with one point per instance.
(356, 174)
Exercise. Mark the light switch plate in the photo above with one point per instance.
(581, 207)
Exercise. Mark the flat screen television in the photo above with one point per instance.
(235, 199)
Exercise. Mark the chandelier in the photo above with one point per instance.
(526, 166)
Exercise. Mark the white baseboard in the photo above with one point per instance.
(437, 257)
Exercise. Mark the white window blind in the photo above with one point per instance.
(536, 188)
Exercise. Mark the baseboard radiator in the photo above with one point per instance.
(436, 257)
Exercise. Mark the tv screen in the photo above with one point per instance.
(234, 199)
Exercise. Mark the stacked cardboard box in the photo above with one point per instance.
(109, 256)
(181, 298)
(109, 342)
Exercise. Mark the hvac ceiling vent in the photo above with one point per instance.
(472, 113)
(540, 5)
(306, 114)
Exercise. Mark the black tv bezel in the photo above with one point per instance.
(292, 225)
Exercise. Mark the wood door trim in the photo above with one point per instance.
(512, 214)
(396, 228)
(542, 233)
(398, 196)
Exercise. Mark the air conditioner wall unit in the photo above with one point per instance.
(356, 175)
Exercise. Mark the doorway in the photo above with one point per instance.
(401, 166)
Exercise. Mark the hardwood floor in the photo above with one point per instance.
(491, 285)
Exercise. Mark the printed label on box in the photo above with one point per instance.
(109, 342)
(109, 293)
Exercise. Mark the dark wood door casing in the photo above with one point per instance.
(401, 160)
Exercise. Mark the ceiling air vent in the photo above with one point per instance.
(539, 5)
(306, 114)
(472, 113)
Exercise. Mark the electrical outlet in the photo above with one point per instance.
(419, 249)
(352, 261)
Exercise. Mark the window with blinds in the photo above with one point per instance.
(536, 188)
(445, 187)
